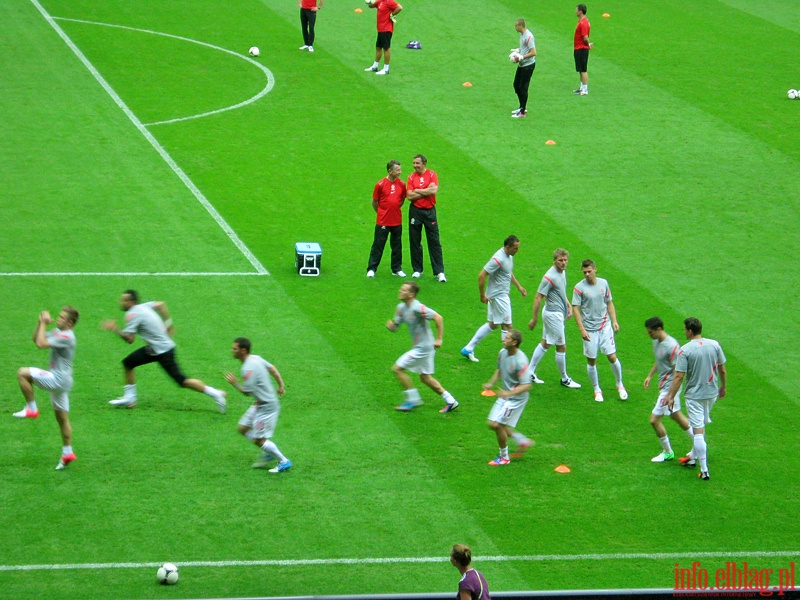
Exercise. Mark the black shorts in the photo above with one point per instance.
(143, 356)
(581, 60)
(384, 40)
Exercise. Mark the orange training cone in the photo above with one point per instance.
(562, 469)
(359, 10)
(606, 15)
(488, 393)
(467, 84)
(550, 142)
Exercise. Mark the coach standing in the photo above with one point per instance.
(387, 200)
(387, 9)
(421, 192)
(582, 47)
(308, 18)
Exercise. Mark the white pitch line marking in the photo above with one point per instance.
(430, 559)
(153, 142)
(265, 70)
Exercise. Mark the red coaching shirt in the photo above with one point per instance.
(385, 10)
(308, 4)
(418, 182)
(581, 30)
(390, 196)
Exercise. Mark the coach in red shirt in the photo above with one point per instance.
(387, 200)
(582, 47)
(308, 18)
(387, 9)
(422, 187)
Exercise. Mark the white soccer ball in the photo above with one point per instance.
(793, 94)
(254, 51)
(514, 57)
(168, 573)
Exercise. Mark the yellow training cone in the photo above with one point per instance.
(359, 10)
(606, 15)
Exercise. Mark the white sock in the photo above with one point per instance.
(561, 363)
(66, 450)
(665, 444)
(130, 391)
(482, 332)
(591, 370)
(31, 405)
(504, 452)
(699, 450)
(448, 397)
(518, 437)
(616, 368)
(210, 391)
(538, 355)
(270, 447)
(375, 64)
(585, 87)
(385, 67)
(413, 395)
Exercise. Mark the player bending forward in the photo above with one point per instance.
(258, 423)
(516, 379)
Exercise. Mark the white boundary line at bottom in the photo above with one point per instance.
(135, 274)
(397, 560)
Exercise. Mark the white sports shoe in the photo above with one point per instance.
(303, 47)
(598, 396)
(382, 72)
(570, 384)
(623, 393)
(469, 354)
(222, 402)
(311, 48)
(373, 69)
(370, 274)
(535, 378)
(441, 278)
(124, 401)
(416, 274)
(399, 274)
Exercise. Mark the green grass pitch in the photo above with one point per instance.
(679, 174)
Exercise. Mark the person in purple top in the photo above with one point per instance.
(473, 584)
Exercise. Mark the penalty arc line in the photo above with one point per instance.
(399, 560)
(261, 94)
(153, 142)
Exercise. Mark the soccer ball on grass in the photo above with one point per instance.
(167, 574)
(254, 51)
(793, 94)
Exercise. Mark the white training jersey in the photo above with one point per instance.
(499, 268)
(593, 302)
(142, 319)
(257, 381)
(416, 315)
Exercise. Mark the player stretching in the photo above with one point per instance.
(499, 272)
(665, 348)
(58, 380)
(420, 358)
(152, 322)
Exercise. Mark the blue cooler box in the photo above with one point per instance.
(308, 258)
